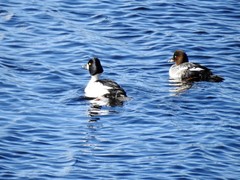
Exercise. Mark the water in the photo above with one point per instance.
(48, 131)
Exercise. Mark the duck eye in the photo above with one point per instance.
(89, 64)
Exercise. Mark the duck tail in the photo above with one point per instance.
(215, 78)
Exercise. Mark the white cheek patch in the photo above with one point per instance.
(87, 67)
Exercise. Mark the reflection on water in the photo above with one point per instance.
(96, 110)
(103, 106)
(105, 101)
(98, 106)
(179, 86)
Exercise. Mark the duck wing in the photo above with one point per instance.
(115, 90)
(196, 72)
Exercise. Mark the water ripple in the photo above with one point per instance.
(165, 131)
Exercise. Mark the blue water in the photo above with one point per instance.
(49, 131)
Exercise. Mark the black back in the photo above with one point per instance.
(203, 75)
(115, 90)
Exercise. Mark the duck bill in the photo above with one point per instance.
(171, 60)
(85, 67)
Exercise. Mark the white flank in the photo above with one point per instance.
(95, 89)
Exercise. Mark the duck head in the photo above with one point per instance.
(94, 66)
(179, 57)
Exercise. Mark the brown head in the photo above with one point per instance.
(179, 57)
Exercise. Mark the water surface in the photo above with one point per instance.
(48, 131)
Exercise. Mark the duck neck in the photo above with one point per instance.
(95, 77)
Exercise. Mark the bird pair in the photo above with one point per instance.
(182, 70)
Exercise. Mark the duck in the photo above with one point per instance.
(186, 71)
(102, 88)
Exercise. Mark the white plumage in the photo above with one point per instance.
(102, 88)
